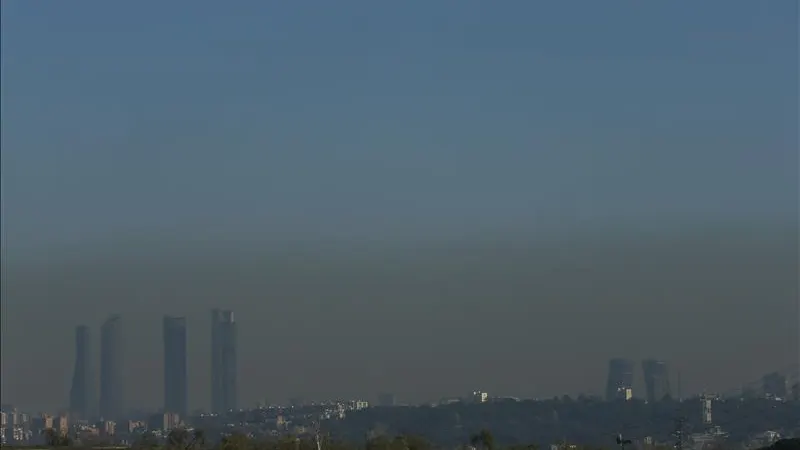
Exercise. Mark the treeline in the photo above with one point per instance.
(181, 439)
(483, 440)
(550, 421)
(785, 444)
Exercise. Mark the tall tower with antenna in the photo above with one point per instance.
(679, 433)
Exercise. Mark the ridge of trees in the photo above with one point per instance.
(182, 439)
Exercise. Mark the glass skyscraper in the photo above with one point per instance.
(656, 380)
(176, 388)
(81, 394)
(223, 361)
(620, 379)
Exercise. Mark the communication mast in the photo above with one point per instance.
(679, 433)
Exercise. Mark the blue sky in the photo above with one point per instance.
(371, 115)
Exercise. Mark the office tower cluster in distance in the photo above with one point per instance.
(223, 361)
(112, 370)
(83, 402)
(81, 394)
(656, 380)
(620, 379)
(176, 386)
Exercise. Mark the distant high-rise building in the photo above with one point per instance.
(164, 421)
(656, 380)
(81, 394)
(620, 379)
(176, 388)
(706, 402)
(61, 425)
(112, 370)
(223, 361)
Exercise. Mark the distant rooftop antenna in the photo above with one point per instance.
(679, 433)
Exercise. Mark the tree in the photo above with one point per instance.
(786, 444)
(198, 440)
(178, 438)
(484, 439)
(182, 439)
(523, 447)
(146, 441)
(379, 442)
(416, 443)
(53, 438)
(236, 441)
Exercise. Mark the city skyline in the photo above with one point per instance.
(111, 403)
(731, 419)
(619, 385)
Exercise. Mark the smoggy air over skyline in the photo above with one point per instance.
(419, 198)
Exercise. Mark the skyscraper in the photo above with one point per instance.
(223, 361)
(656, 380)
(112, 371)
(176, 389)
(81, 394)
(620, 379)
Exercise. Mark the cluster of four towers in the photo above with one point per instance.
(112, 404)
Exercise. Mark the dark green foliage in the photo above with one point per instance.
(55, 439)
(147, 441)
(586, 421)
(184, 440)
(483, 440)
(785, 444)
(238, 441)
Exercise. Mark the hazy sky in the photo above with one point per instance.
(420, 197)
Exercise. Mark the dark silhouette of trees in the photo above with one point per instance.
(54, 438)
(785, 444)
(178, 439)
(483, 440)
(145, 442)
(237, 441)
(182, 439)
